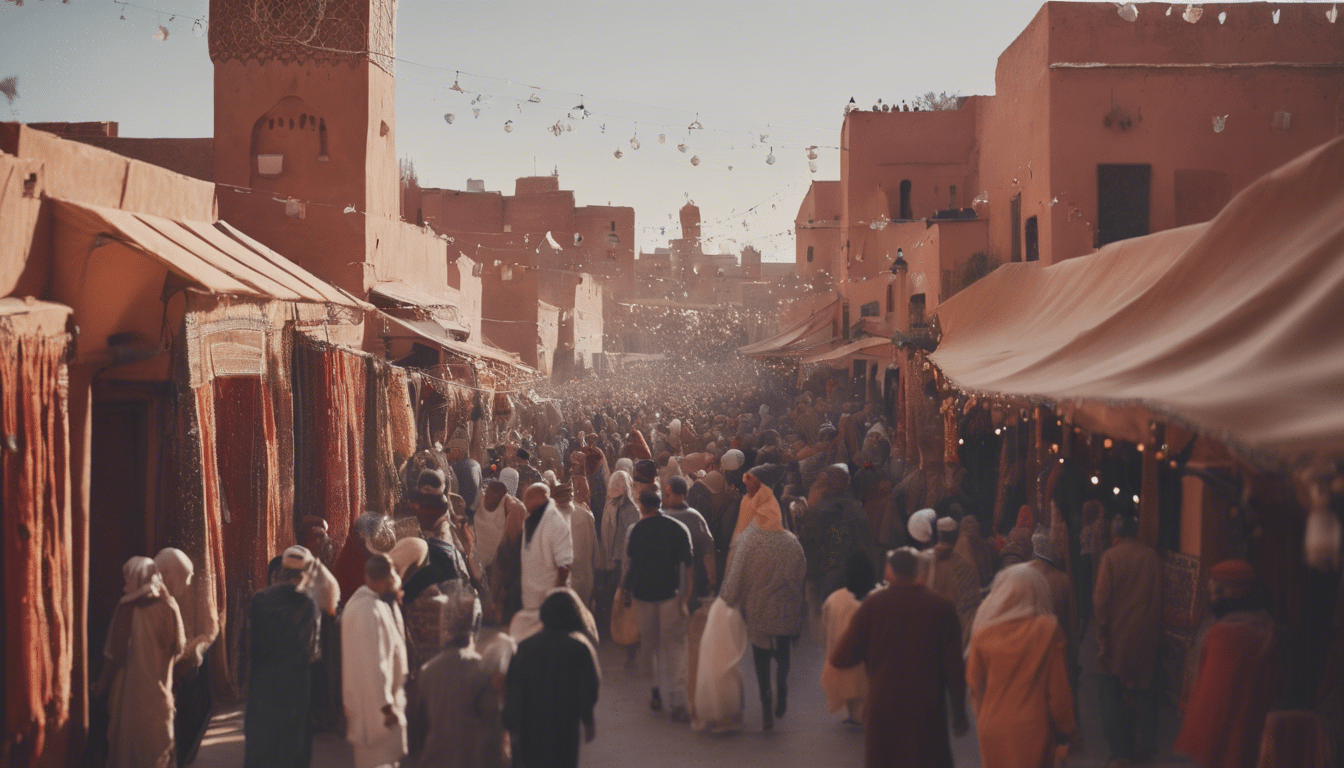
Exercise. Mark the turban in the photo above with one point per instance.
(646, 471)
(921, 525)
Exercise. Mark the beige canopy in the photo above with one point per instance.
(1235, 327)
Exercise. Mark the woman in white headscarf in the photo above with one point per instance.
(621, 513)
(145, 639)
(509, 477)
(921, 527)
(191, 689)
(1017, 673)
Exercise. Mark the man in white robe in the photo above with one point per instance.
(373, 668)
(587, 554)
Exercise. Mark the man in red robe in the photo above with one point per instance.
(910, 640)
(1225, 714)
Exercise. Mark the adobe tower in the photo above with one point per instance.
(304, 109)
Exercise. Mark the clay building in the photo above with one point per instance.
(1099, 129)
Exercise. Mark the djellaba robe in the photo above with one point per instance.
(1018, 676)
(1231, 696)
(373, 676)
(910, 640)
(455, 703)
(285, 638)
(1127, 600)
(552, 688)
(145, 640)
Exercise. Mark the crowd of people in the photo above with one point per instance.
(689, 523)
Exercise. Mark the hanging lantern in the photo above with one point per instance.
(618, 153)
(634, 142)
(812, 152)
(448, 117)
(770, 158)
(662, 138)
(682, 147)
(508, 126)
(455, 86)
(695, 160)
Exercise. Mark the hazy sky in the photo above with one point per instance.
(747, 67)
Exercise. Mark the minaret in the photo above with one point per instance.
(304, 110)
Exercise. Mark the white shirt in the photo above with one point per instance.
(373, 669)
(551, 548)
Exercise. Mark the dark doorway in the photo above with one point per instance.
(1122, 201)
(907, 211)
(117, 523)
(917, 312)
(1033, 238)
(1015, 222)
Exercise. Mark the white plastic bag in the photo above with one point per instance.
(718, 686)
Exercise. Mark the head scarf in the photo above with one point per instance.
(509, 477)
(548, 477)
(761, 508)
(1019, 592)
(921, 525)
(407, 553)
(376, 530)
(142, 579)
(175, 569)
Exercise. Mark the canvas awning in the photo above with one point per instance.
(434, 334)
(871, 344)
(399, 293)
(1234, 327)
(216, 258)
(798, 338)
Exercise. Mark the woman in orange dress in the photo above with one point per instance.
(1017, 672)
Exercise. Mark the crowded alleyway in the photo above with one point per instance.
(628, 734)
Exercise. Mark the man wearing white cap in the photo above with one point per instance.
(374, 667)
(951, 576)
(284, 633)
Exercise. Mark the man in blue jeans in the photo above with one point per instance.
(657, 578)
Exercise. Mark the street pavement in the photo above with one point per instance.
(629, 734)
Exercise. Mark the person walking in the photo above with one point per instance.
(704, 576)
(908, 691)
(765, 582)
(144, 641)
(846, 687)
(834, 528)
(658, 557)
(587, 551)
(548, 547)
(373, 667)
(552, 685)
(951, 576)
(191, 685)
(284, 628)
(1127, 604)
(622, 512)
(1234, 686)
(454, 711)
(1017, 672)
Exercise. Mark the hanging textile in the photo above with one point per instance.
(38, 580)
